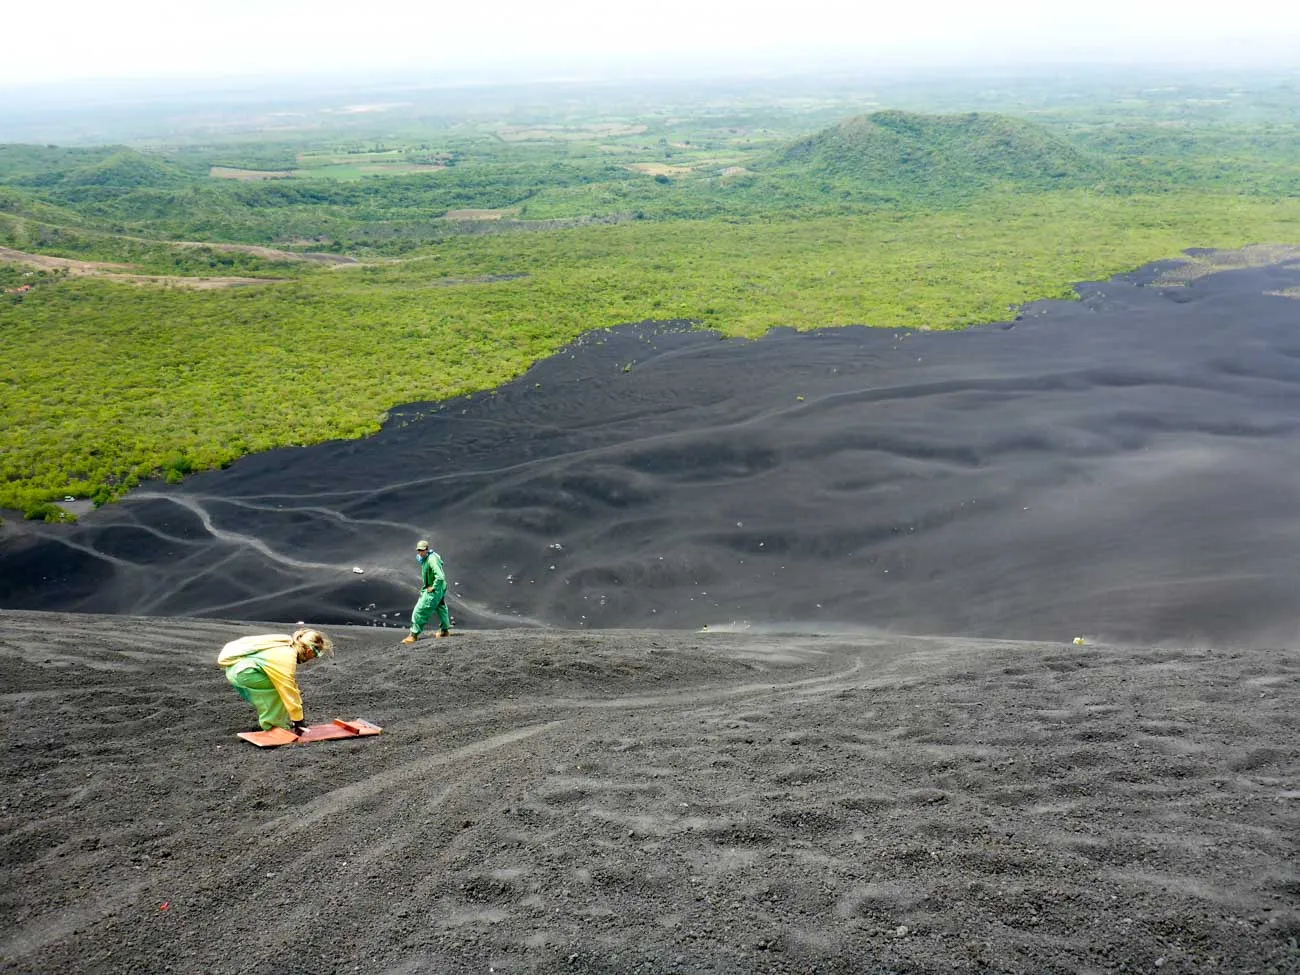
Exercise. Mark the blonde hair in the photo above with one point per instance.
(313, 640)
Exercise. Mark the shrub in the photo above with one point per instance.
(176, 467)
(47, 512)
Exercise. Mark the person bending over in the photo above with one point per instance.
(433, 594)
(263, 670)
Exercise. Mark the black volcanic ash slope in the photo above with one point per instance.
(1120, 467)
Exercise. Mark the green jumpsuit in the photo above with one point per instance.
(432, 577)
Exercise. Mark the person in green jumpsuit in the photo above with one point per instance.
(433, 594)
(263, 670)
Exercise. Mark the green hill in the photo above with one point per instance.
(106, 166)
(24, 165)
(908, 153)
(125, 169)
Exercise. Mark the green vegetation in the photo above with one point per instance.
(50, 513)
(738, 219)
(943, 156)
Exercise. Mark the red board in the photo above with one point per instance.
(320, 732)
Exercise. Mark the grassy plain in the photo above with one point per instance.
(893, 221)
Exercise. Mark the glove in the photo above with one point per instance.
(299, 728)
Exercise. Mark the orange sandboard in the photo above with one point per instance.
(320, 732)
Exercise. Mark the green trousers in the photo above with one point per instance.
(424, 607)
(256, 688)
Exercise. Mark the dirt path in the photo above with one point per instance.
(121, 272)
(649, 801)
(270, 253)
(44, 262)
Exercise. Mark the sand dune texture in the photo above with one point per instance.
(643, 801)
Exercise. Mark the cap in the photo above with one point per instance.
(422, 546)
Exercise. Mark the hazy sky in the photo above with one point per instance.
(77, 39)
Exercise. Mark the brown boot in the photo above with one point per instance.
(442, 633)
(410, 638)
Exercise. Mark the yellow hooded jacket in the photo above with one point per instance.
(275, 655)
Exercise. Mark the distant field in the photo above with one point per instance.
(659, 169)
(225, 172)
(343, 158)
(378, 156)
(347, 171)
(534, 133)
(478, 214)
(366, 108)
(356, 165)
(369, 169)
